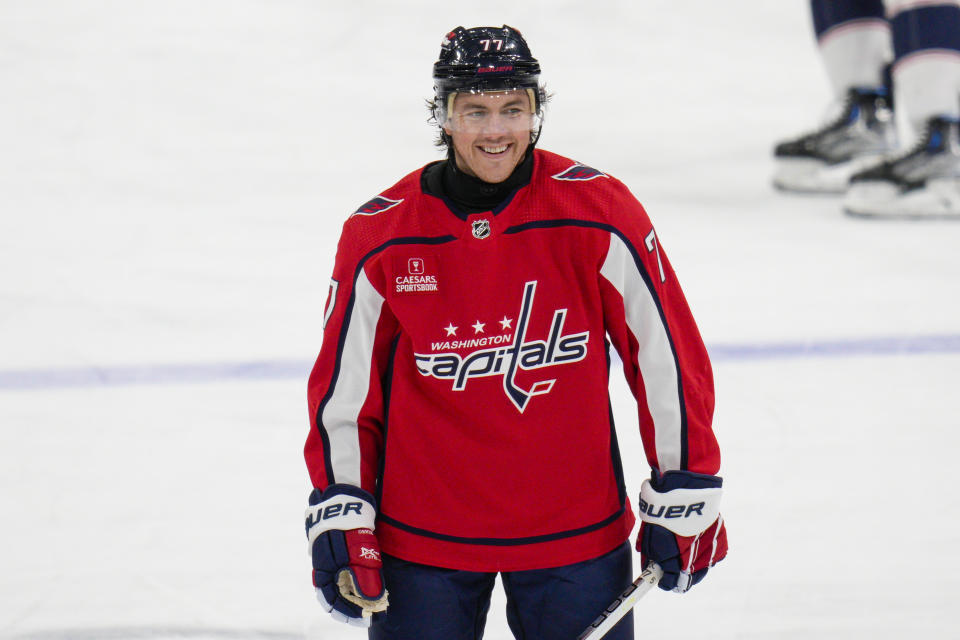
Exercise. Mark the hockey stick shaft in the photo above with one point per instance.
(623, 604)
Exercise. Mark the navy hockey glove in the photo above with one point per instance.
(347, 570)
(682, 529)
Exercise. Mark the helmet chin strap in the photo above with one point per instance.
(536, 136)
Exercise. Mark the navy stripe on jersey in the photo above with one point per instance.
(642, 270)
(341, 341)
(387, 387)
(923, 28)
(615, 456)
(502, 542)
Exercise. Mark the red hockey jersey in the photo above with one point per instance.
(463, 375)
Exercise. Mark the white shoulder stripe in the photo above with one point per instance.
(655, 355)
(340, 414)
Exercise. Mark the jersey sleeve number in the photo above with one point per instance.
(651, 242)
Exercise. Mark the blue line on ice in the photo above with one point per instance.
(281, 369)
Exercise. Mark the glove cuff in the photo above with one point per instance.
(340, 507)
(682, 502)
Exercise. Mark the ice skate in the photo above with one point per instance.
(823, 161)
(922, 183)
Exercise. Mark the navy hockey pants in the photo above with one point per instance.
(431, 603)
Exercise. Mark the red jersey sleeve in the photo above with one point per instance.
(666, 364)
(345, 391)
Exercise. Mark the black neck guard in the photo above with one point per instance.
(468, 194)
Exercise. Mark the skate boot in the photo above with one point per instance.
(824, 161)
(922, 183)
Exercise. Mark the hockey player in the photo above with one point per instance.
(460, 413)
(857, 152)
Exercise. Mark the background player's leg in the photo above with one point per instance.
(924, 179)
(926, 69)
(853, 37)
(854, 41)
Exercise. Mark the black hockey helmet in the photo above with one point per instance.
(484, 59)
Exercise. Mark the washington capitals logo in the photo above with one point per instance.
(579, 172)
(377, 205)
(507, 361)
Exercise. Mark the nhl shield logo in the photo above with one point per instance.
(481, 229)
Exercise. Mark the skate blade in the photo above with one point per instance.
(811, 176)
(938, 200)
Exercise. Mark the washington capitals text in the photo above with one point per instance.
(507, 360)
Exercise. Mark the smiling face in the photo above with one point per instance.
(490, 132)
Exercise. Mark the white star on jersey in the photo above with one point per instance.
(506, 323)
(451, 330)
(478, 327)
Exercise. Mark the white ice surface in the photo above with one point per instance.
(173, 177)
